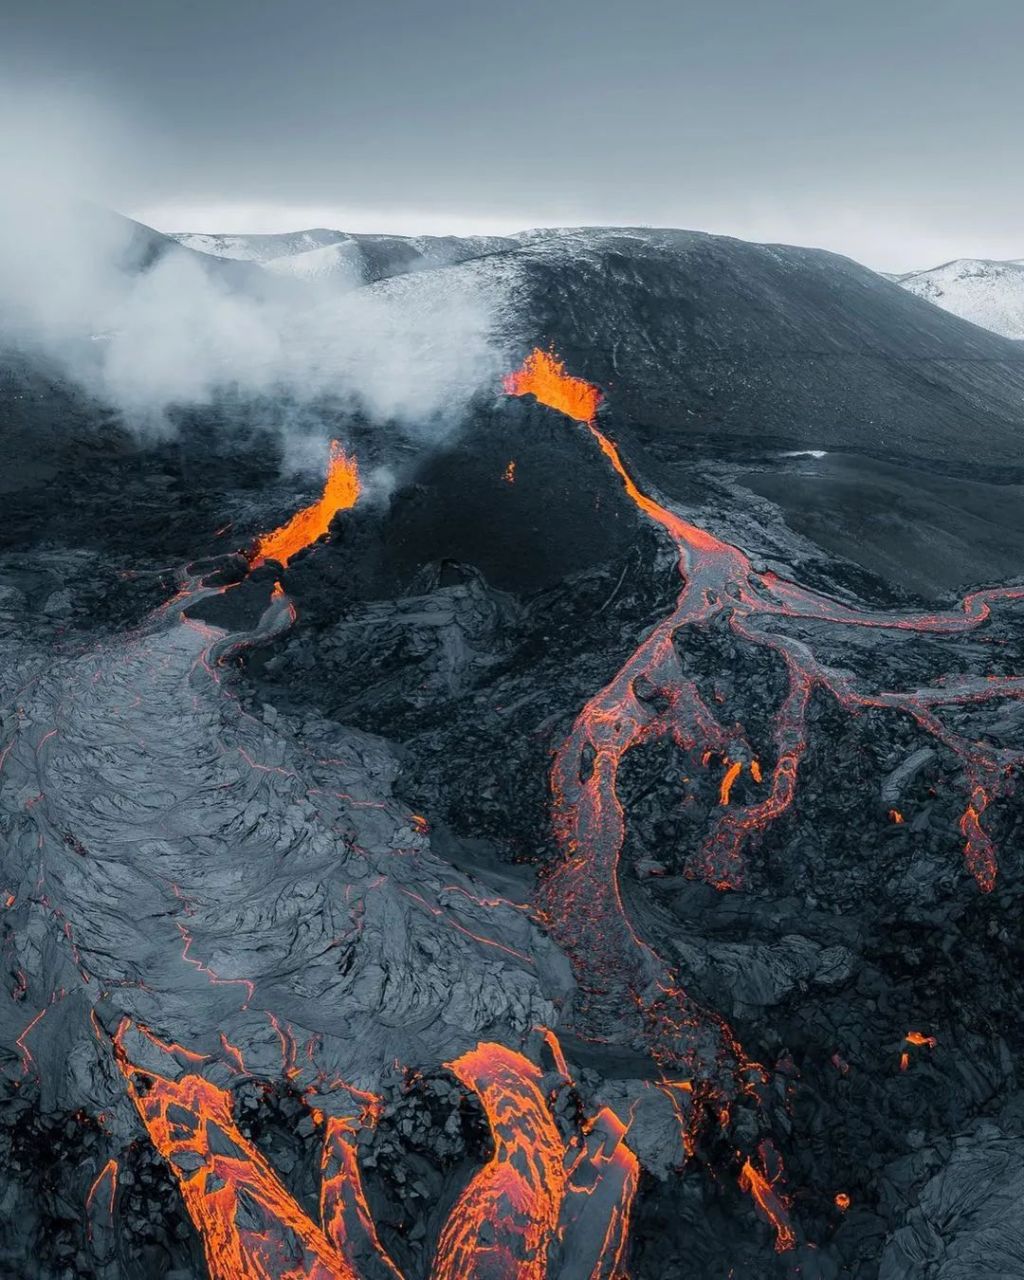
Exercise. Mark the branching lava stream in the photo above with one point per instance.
(625, 984)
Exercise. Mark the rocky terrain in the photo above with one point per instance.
(537, 872)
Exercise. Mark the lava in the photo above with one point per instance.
(341, 491)
(771, 1203)
(599, 1191)
(920, 1039)
(623, 982)
(107, 1177)
(543, 375)
(731, 774)
(534, 1196)
(505, 1220)
(344, 1210)
(249, 1223)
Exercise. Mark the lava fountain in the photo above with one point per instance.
(341, 491)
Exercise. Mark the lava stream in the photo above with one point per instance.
(624, 982)
(535, 1195)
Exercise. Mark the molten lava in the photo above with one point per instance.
(534, 1195)
(504, 1221)
(623, 982)
(543, 375)
(341, 490)
(250, 1225)
(920, 1039)
(731, 774)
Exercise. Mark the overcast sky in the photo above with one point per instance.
(886, 129)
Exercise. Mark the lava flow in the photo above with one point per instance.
(623, 981)
(535, 1195)
(341, 490)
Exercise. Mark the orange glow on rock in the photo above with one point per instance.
(770, 1202)
(594, 1225)
(978, 850)
(731, 774)
(842, 1201)
(505, 1220)
(341, 490)
(509, 474)
(344, 1211)
(534, 1193)
(895, 816)
(105, 1185)
(920, 1039)
(250, 1225)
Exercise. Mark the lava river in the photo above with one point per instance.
(624, 983)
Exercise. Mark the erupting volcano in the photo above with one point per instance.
(341, 1008)
(623, 981)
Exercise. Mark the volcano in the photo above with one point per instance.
(596, 855)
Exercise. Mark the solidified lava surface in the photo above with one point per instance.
(585, 886)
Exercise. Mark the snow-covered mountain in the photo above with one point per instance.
(987, 293)
(364, 259)
(343, 257)
(258, 248)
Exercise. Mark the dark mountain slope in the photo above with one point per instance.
(728, 341)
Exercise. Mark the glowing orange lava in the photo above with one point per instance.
(920, 1039)
(505, 1220)
(771, 1203)
(731, 774)
(842, 1201)
(104, 1185)
(250, 1225)
(623, 982)
(534, 1195)
(341, 490)
(543, 375)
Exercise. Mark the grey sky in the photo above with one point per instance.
(887, 129)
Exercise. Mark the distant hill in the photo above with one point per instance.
(986, 292)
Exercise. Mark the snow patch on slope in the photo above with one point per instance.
(258, 248)
(987, 293)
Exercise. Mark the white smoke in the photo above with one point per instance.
(146, 325)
